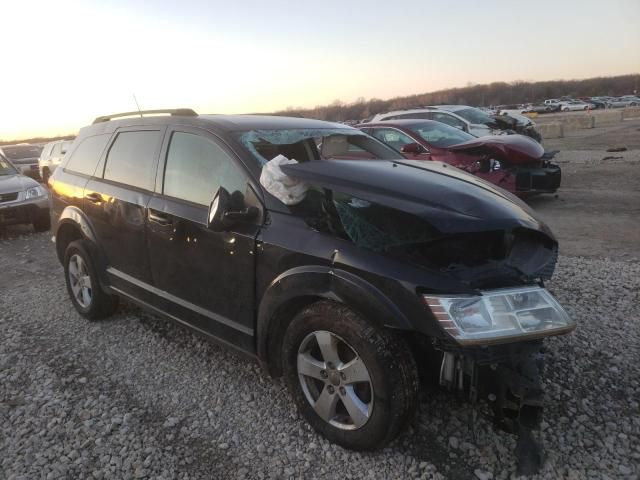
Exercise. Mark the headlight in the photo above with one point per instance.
(35, 192)
(500, 315)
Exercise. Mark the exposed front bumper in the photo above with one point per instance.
(14, 213)
(538, 180)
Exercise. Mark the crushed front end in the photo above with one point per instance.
(497, 356)
(473, 258)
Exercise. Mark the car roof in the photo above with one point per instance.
(452, 108)
(267, 122)
(225, 123)
(405, 122)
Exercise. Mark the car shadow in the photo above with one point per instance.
(11, 232)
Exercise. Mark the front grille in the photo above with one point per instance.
(8, 197)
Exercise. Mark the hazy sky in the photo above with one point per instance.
(65, 62)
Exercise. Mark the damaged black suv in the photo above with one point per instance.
(312, 247)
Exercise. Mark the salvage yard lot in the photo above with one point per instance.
(136, 397)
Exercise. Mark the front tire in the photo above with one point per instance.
(355, 383)
(83, 286)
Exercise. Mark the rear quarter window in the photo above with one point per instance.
(85, 157)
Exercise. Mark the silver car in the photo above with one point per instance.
(468, 119)
(51, 156)
(22, 199)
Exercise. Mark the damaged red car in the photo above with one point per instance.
(514, 162)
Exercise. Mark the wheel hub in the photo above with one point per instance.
(335, 380)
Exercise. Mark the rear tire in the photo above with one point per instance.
(371, 386)
(83, 285)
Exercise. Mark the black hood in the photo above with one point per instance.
(451, 200)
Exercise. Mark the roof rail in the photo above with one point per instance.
(180, 112)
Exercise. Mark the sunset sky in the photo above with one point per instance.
(65, 62)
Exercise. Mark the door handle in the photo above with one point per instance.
(159, 218)
(94, 197)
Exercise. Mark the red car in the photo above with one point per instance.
(514, 162)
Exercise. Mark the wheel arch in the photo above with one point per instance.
(72, 225)
(300, 287)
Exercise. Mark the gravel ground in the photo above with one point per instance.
(137, 397)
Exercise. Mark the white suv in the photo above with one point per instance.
(51, 157)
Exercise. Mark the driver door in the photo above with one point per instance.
(203, 277)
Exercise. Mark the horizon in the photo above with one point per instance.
(244, 58)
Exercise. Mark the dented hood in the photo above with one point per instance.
(507, 148)
(451, 200)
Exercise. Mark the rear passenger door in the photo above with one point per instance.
(203, 277)
(116, 199)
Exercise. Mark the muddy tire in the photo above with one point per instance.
(83, 286)
(355, 383)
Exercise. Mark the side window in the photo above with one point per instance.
(196, 167)
(56, 150)
(131, 158)
(448, 119)
(394, 138)
(427, 115)
(85, 157)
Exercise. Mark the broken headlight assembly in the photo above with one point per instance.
(498, 316)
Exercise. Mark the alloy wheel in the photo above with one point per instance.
(80, 281)
(335, 380)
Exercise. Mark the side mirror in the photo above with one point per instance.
(221, 214)
(413, 148)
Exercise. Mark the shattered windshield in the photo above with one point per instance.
(304, 145)
(439, 134)
(379, 228)
(474, 115)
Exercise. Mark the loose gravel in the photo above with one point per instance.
(137, 397)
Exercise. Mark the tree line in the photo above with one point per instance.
(496, 93)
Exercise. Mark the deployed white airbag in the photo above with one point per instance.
(289, 191)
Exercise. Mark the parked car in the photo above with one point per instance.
(476, 126)
(51, 157)
(621, 102)
(22, 199)
(512, 162)
(543, 108)
(380, 258)
(24, 157)
(597, 103)
(469, 119)
(573, 105)
(554, 102)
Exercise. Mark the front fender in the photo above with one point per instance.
(300, 286)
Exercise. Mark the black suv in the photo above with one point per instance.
(383, 268)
